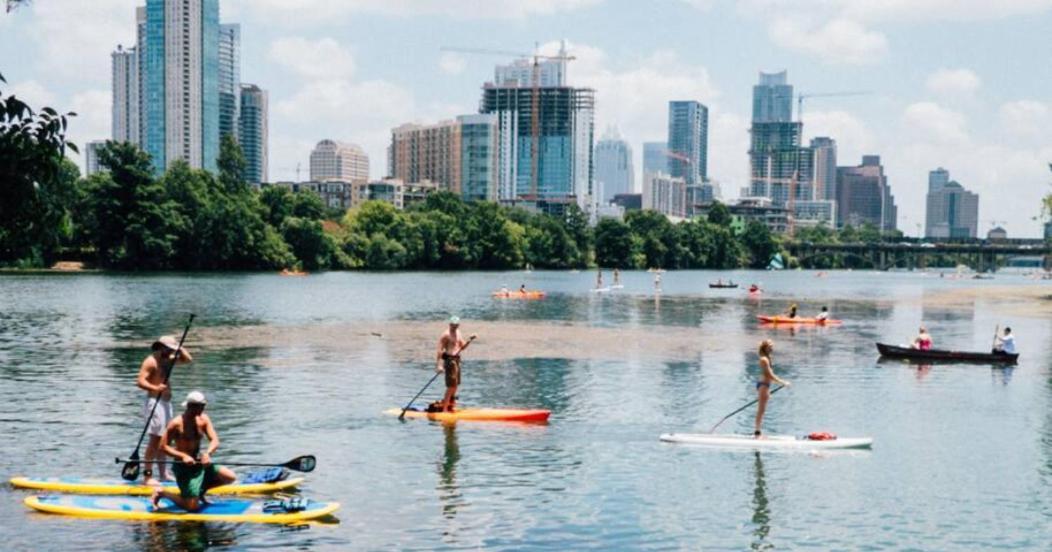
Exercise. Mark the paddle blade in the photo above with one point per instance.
(303, 464)
(130, 471)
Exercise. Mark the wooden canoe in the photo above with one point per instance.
(937, 354)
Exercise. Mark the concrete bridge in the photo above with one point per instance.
(980, 255)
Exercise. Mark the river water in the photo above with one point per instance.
(962, 458)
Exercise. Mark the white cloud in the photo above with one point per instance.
(835, 41)
(315, 59)
(292, 12)
(854, 139)
(76, 37)
(451, 63)
(953, 82)
(936, 122)
(1026, 118)
(32, 93)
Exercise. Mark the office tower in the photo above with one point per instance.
(951, 211)
(614, 173)
(665, 194)
(427, 152)
(140, 49)
(864, 197)
(547, 157)
(91, 157)
(655, 157)
(824, 167)
(332, 160)
(478, 157)
(229, 79)
(125, 82)
(777, 161)
(253, 132)
(772, 99)
(688, 141)
(182, 82)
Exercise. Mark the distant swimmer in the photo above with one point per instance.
(763, 384)
(923, 340)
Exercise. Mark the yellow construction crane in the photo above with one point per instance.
(535, 98)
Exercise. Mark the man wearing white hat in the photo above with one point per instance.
(194, 471)
(450, 345)
(152, 379)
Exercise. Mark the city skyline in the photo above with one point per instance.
(975, 109)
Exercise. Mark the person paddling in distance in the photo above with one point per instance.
(823, 315)
(194, 471)
(151, 379)
(763, 385)
(450, 345)
(522, 289)
(922, 341)
(791, 313)
(599, 279)
(1006, 343)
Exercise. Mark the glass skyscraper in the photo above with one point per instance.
(688, 141)
(772, 99)
(229, 78)
(614, 173)
(655, 157)
(776, 158)
(478, 157)
(252, 132)
(182, 82)
(125, 82)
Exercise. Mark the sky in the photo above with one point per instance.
(960, 84)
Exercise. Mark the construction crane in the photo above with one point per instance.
(803, 96)
(535, 97)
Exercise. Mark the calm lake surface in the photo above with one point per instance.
(962, 458)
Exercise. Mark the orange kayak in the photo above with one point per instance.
(531, 294)
(478, 415)
(777, 319)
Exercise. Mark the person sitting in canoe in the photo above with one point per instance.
(152, 380)
(791, 313)
(922, 341)
(1006, 343)
(763, 385)
(194, 471)
(824, 315)
(450, 345)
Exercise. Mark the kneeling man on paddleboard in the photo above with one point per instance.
(194, 471)
(450, 345)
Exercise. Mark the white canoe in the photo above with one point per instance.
(730, 440)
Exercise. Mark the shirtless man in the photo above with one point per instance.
(194, 471)
(152, 380)
(450, 345)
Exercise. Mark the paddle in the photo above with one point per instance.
(304, 463)
(430, 381)
(130, 471)
(773, 391)
(993, 347)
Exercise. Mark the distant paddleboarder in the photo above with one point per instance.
(599, 279)
(194, 471)
(763, 385)
(450, 345)
(151, 379)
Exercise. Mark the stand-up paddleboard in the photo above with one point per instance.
(726, 440)
(478, 415)
(600, 290)
(140, 508)
(87, 485)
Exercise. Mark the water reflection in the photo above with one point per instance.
(448, 491)
(177, 535)
(761, 516)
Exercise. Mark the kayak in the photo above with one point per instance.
(730, 440)
(532, 294)
(778, 319)
(478, 415)
(140, 508)
(937, 354)
(723, 286)
(99, 486)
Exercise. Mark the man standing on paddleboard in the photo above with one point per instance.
(194, 471)
(450, 345)
(152, 379)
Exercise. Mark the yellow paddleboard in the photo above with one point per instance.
(87, 485)
(140, 508)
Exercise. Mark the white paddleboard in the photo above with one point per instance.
(600, 290)
(729, 440)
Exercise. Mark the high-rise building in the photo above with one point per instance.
(229, 79)
(550, 72)
(951, 210)
(777, 161)
(547, 155)
(614, 173)
(140, 49)
(332, 160)
(125, 83)
(864, 197)
(91, 157)
(431, 153)
(824, 149)
(253, 133)
(182, 82)
(665, 194)
(478, 157)
(655, 157)
(688, 141)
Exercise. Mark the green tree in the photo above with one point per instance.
(577, 226)
(232, 164)
(615, 245)
(314, 248)
(759, 244)
(278, 202)
(719, 214)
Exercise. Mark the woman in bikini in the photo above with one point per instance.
(763, 385)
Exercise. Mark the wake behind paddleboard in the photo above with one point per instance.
(766, 442)
(478, 415)
(140, 508)
(87, 485)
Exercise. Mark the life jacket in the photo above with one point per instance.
(821, 436)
